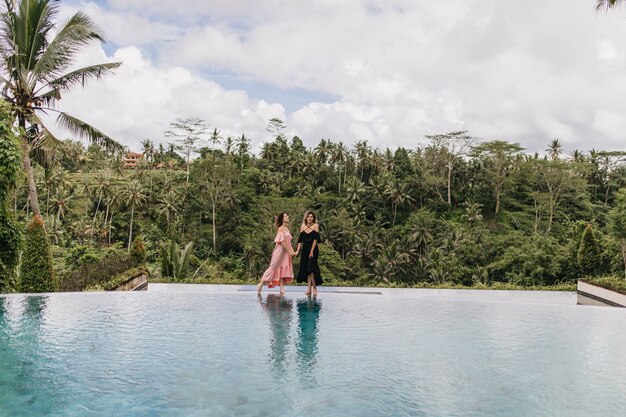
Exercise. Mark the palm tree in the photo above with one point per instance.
(215, 139)
(59, 203)
(322, 150)
(229, 145)
(134, 197)
(389, 162)
(555, 149)
(148, 150)
(34, 56)
(362, 151)
(398, 194)
(354, 189)
(340, 156)
(168, 204)
(112, 201)
(243, 147)
(101, 187)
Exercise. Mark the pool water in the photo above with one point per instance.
(226, 352)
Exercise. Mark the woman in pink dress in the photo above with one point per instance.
(281, 266)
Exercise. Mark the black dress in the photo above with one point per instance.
(309, 265)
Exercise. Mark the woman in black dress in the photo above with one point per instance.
(308, 241)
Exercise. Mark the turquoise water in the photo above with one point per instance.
(229, 353)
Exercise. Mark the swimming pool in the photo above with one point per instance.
(217, 351)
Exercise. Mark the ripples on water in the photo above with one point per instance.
(234, 354)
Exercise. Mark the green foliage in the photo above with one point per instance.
(610, 283)
(529, 261)
(10, 156)
(589, 255)
(617, 223)
(174, 260)
(37, 273)
(96, 272)
(332, 267)
(118, 279)
(385, 216)
(617, 215)
(11, 234)
(11, 240)
(80, 255)
(138, 251)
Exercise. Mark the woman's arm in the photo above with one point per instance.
(298, 248)
(288, 248)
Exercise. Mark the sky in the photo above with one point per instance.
(386, 71)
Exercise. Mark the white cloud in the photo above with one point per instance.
(141, 100)
(516, 70)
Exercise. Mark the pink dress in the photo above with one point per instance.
(281, 264)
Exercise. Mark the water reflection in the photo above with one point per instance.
(308, 316)
(35, 306)
(279, 310)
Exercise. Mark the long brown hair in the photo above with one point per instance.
(307, 215)
(280, 219)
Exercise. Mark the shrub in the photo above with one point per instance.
(174, 260)
(97, 272)
(37, 273)
(589, 254)
(332, 267)
(138, 251)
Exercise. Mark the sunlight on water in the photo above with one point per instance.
(236, 354)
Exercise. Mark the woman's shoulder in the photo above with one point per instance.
(316, 227)
(283, 229)
(302, 227)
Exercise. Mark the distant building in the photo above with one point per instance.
(131, 159)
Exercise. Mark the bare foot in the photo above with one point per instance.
(315, 291)
(307, 293)
(259, 287)
(282, 292)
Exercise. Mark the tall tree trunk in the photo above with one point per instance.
(340, 178)
(110, 226)
(32, 188)
(395, 210)
(214, 231)
(106, 216)
(130, 232)
(54, 227)
(450, 185)
(93, 222)
(623, 248)
(497, 205)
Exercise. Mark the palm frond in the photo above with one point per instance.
(86, 131)
(79, 31)
(83, 74)
(43, 144)
(607, 4)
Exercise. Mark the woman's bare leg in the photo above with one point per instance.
(312, 281)
(259, 286)
(282, 286)
(308, 286)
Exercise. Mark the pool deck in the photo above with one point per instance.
(540, 297)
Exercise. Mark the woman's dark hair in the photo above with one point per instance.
(279, 219)
(307, 215)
